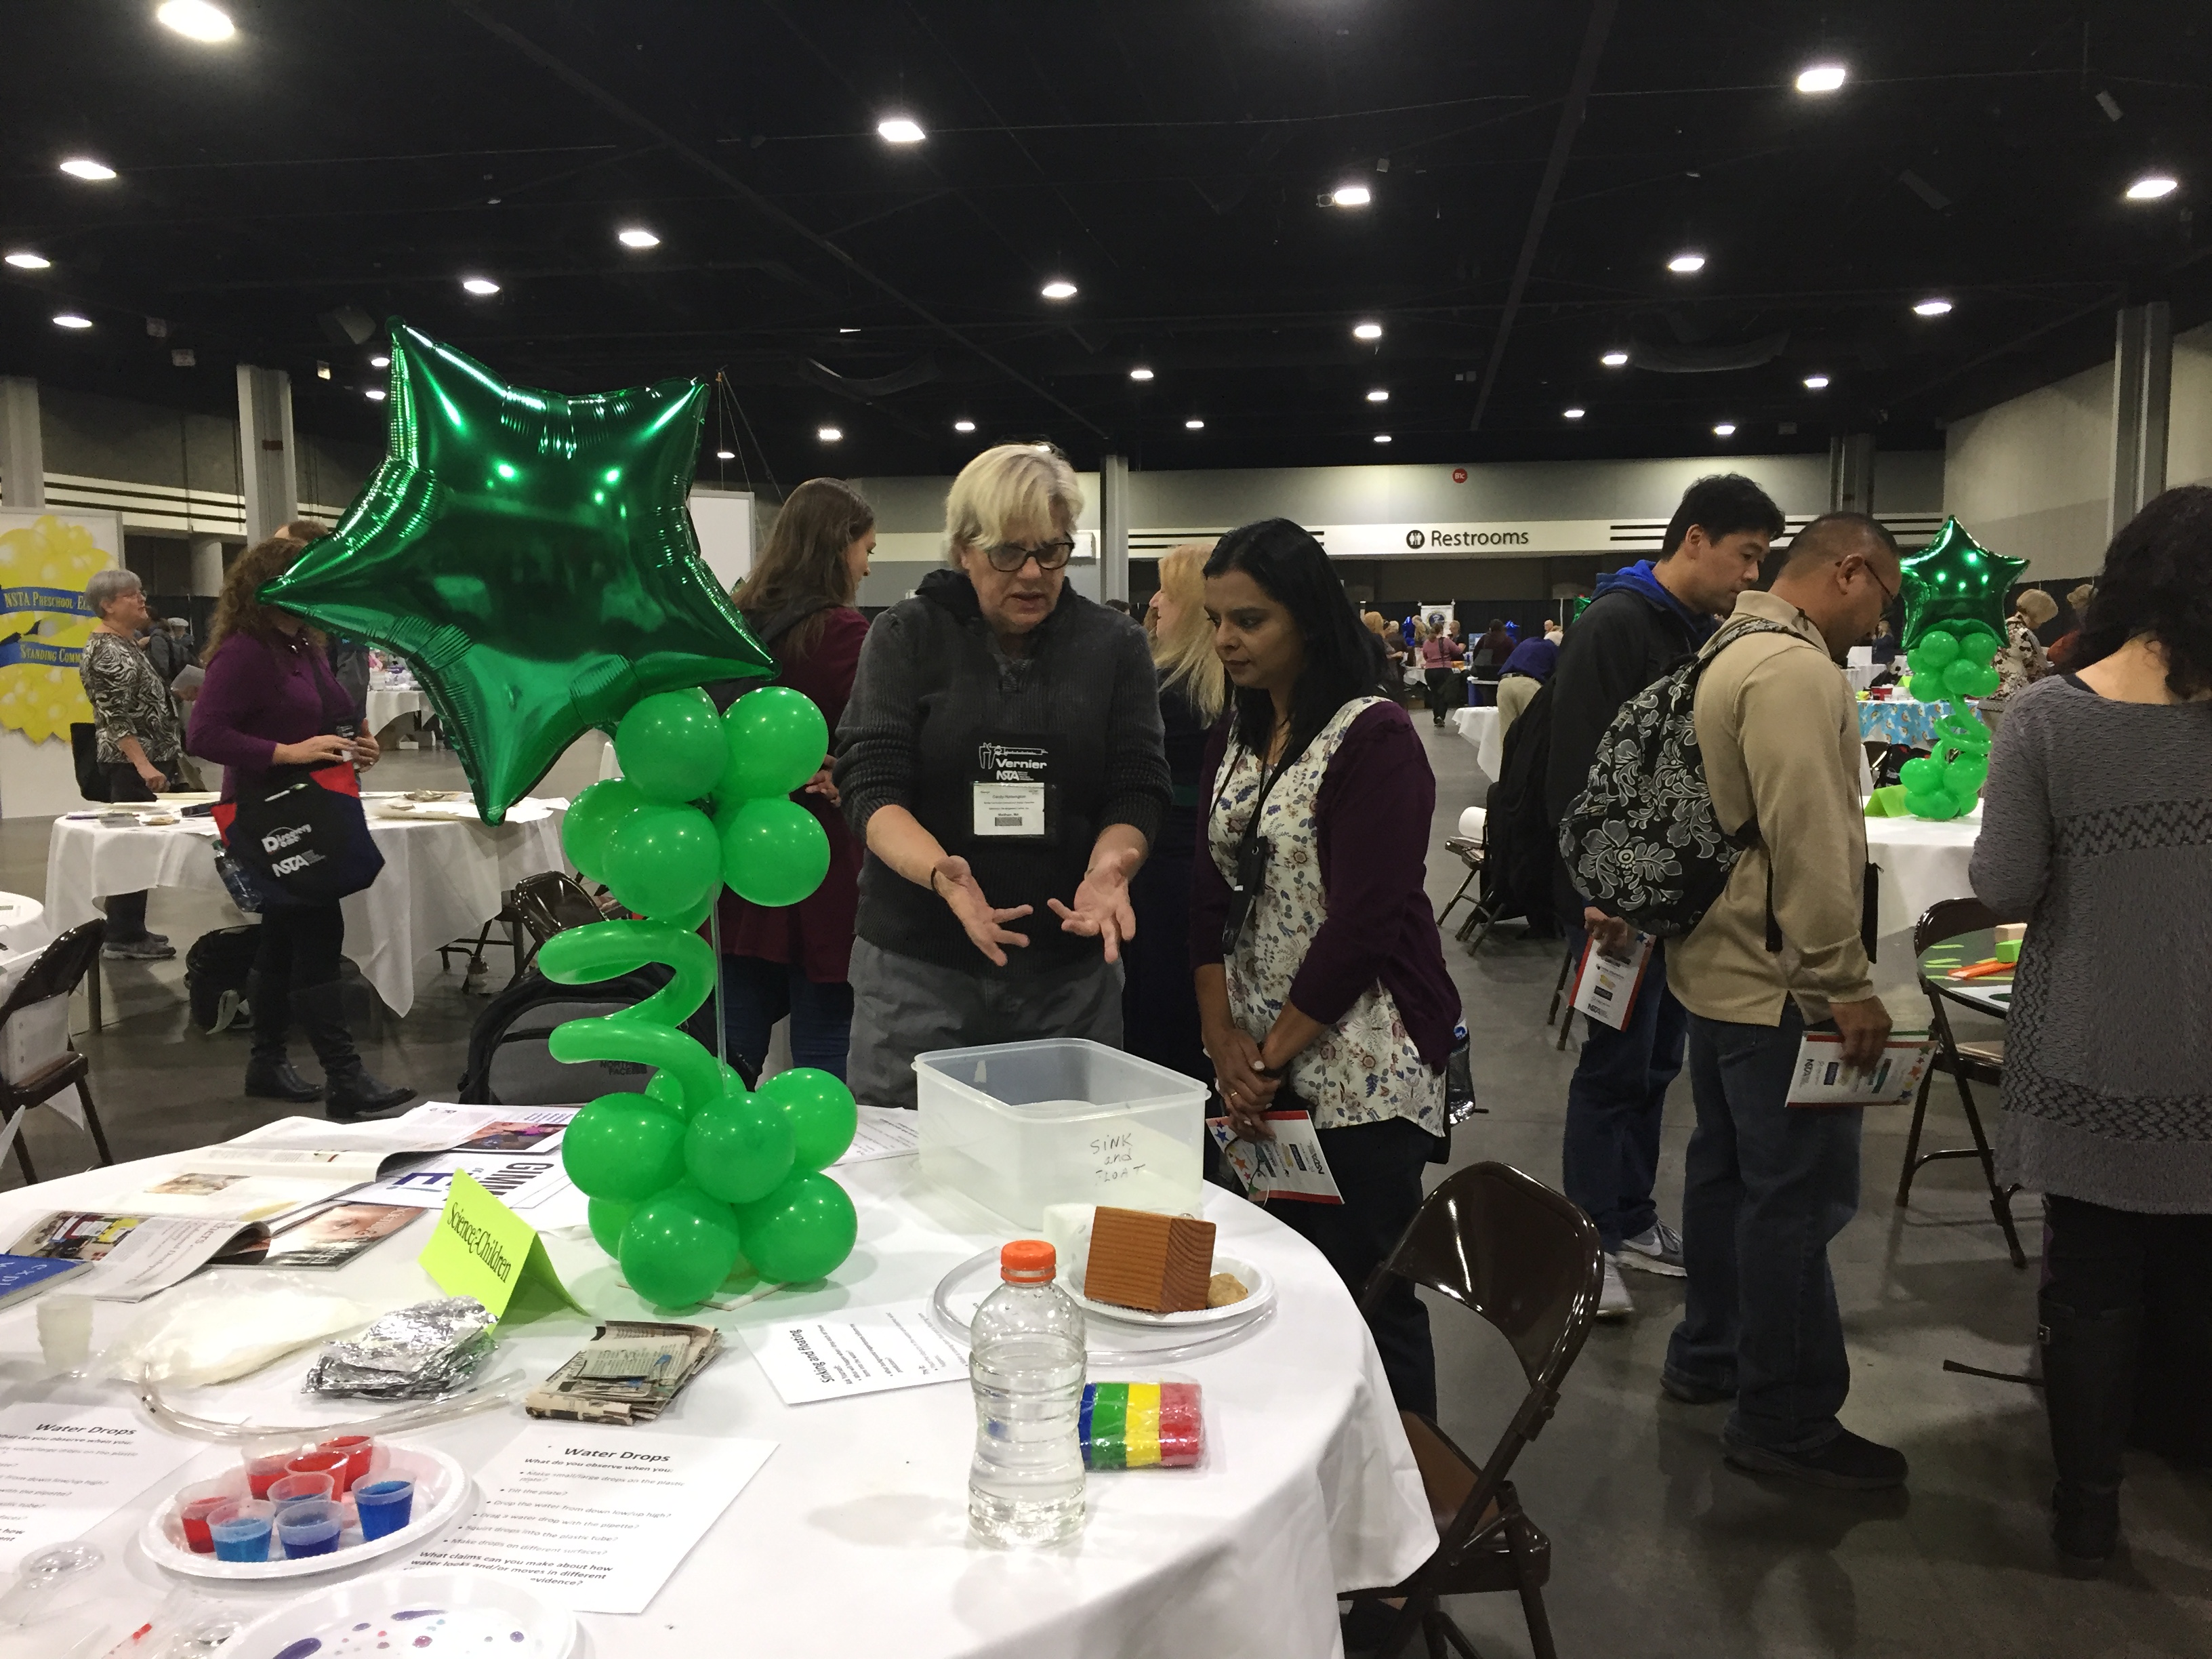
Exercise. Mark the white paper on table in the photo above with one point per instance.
(162, 1250)
(893, 1346)
(597, 1517)
(1821, 1078)
(884, 1131)
(65, 1469)
(555, 1205)
(1289, 1166)
(516, 1182)
(1606, 986)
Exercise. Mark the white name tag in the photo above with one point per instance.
(1010, 809)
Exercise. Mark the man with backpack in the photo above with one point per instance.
(1644, 621)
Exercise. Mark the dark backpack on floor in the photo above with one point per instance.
(1518, 837)
(215, 977)
(510, 1063)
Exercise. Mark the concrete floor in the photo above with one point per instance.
(1660, 1550)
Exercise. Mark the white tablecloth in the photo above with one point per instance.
(1921, 860)
(23, 925)
(443, 879)
(387, 703)
(1482, 728)
(852, 1538)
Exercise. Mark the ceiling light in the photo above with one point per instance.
(1381, 437)
(1140, 374)
(479, 285)
(1193, 426)
(1725, 429)
(963, 426)
(380, 361)
(1816, 382)
(637, 236)
(1572, 414)
(725, 455)
(828, 434)
(848, 330)
(1349, 196)
(196, 19)
(899, 130)
(2151, 187)
(1931, 309)
(1821, 78)
(375, 393)
(83, 166)
(322, 371)
(24, 260)
(1367, 331)
(1058, 288)
(1378, 396)
(1683, 263)
(70, 319)
(1613, 359)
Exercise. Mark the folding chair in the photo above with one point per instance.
(1965, 1063)
(551, 903)
(1515, 1252)
(1468, 853)
(44, 992)
(473, 976)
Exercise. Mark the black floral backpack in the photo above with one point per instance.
(1642, 841)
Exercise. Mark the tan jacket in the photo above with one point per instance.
(1780, 736)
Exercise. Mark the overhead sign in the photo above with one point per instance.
(1504, 539)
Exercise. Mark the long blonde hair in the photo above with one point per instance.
(1184, 654)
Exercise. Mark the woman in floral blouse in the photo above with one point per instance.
(1320, 977)
(136, 729)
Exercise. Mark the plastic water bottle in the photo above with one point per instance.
(1025, 1363)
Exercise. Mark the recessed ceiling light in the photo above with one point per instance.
(1381, 437)
(963, 426)
(1140, 372)
(1613, 359)
(848, 330)
(1367, 331)
(1058, 288)
(1349, 196)
(1573, 414)
(1380, 395)
(828, 434)
(899, 130)
(1931, 309)
(2151, 187)
(479, 285)
(1725, 429)
(1821, 78)
(637, 236)
(1682, 265)
(24, 260)
(83, 166)
(725, 455)
(375, 393)
(1816, 382)
(322, 371)
(70, 319)
(380, 361)
(196, 19)
(1193, 426)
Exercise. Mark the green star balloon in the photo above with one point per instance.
(1955, 580)
(530, 554)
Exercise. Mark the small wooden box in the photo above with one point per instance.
(1138, 1258)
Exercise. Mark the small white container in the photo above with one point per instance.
(1017, 1126)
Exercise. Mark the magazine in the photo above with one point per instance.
(333, 1236)
(137, 1256)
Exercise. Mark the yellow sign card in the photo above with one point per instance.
(482, 1248)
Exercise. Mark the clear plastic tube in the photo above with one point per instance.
(502, 1390)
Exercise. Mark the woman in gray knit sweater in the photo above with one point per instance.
(2097, 832)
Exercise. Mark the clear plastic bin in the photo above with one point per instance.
(1017, 1126)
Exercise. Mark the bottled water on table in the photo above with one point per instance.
(1025, 1363)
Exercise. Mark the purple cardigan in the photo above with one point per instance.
(1371, 821)
(257, 695)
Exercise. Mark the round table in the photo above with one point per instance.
(22, 923)
(1899, 719)
(1989, 994)
(1484, 729)
(1921, 860)
(443, 877)
(853, 1537)
(387, 701)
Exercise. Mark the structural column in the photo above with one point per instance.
(1113, 527)
(2143, 386)
(207, 567)
(1850, 472)
(268, 467)
(23, 452)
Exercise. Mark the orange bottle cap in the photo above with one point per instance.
(1026, 1261)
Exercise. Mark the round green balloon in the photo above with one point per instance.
(738, 1148)
(1936, 805)
(774, 851)
(1961, 678)
(1928, 688)
(622, 1148)
(1986, 681)
(670, 745)
(1979, 643)
(607, 1219)
(679, 1246)
(777, 740)
(666, 1091)
(663, 861)
(1922, 775)
(822, 1112)
(1937, 650)
(1967, 772)
(598, 808)
(801, 1230)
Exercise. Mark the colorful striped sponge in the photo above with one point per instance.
(1138, 1425)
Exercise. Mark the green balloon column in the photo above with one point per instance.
(698, 1180)
(1954, 618)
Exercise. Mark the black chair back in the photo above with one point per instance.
(553, 902)
(60, 968)
(1948, 919)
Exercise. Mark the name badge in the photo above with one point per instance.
(1009, 809)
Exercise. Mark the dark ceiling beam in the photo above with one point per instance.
(1555, 167)
(761, 204)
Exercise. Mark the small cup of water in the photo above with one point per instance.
(384, 1506)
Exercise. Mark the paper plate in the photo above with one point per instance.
(1255, 1278)
(441, 1486)
(1138, 1340)
(429, 1611)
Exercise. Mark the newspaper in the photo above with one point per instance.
(628, 1373)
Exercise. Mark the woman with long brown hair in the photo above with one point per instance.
(798, 604)
(270, 700)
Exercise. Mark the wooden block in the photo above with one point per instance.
(1139, 1259)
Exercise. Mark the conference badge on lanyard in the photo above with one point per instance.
(1013, 792)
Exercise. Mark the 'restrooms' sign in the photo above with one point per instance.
(1503, 539)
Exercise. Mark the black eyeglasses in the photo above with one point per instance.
(1888, 594)
(1010, 556)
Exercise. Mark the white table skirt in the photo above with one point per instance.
(852, 1538)
(1482, 728)
(1921, 860)
(443, 879)
(387, 703)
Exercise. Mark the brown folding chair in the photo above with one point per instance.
(57, 973)
(1514, 1251)
(1966, 1063)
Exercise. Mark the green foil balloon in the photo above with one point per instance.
(664, 860)
(823, 1115)
(739, 1147)
(598, 808)
(670, 745)
(777, 741)
(622, 1148)
(679, 1246)
(1955, 580)
(774, 851)
(531, 556)
(607, 1219)
(801, 1230)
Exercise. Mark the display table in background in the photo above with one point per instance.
(1921, 861)
(1485, 730)
(1899, 720)
(22, 923)
(390, 700)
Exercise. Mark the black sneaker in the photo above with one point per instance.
(1847, 1463)
(1691, 1391)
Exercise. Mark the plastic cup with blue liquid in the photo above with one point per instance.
(384, 1506)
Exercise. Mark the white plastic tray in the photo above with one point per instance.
(382, 1616)
(1137, 1342)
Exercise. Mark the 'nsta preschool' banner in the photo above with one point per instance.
(45, 559)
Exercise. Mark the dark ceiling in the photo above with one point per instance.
(1165, 158)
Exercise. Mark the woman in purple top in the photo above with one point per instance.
(1320, 974)
(270, 700)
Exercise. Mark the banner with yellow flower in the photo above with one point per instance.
(45, 559)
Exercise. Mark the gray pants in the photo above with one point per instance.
(902, 1007)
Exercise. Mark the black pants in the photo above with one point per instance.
(1440, 692)
(126, 912)
(301, 943)
(1378, 1168)
(2099, 1261)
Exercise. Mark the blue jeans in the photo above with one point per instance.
(757, 993)
(1767, 1185)
(1614, 1105)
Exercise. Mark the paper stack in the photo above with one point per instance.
(628, 1373)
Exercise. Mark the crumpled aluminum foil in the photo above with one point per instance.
(416, 1353)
